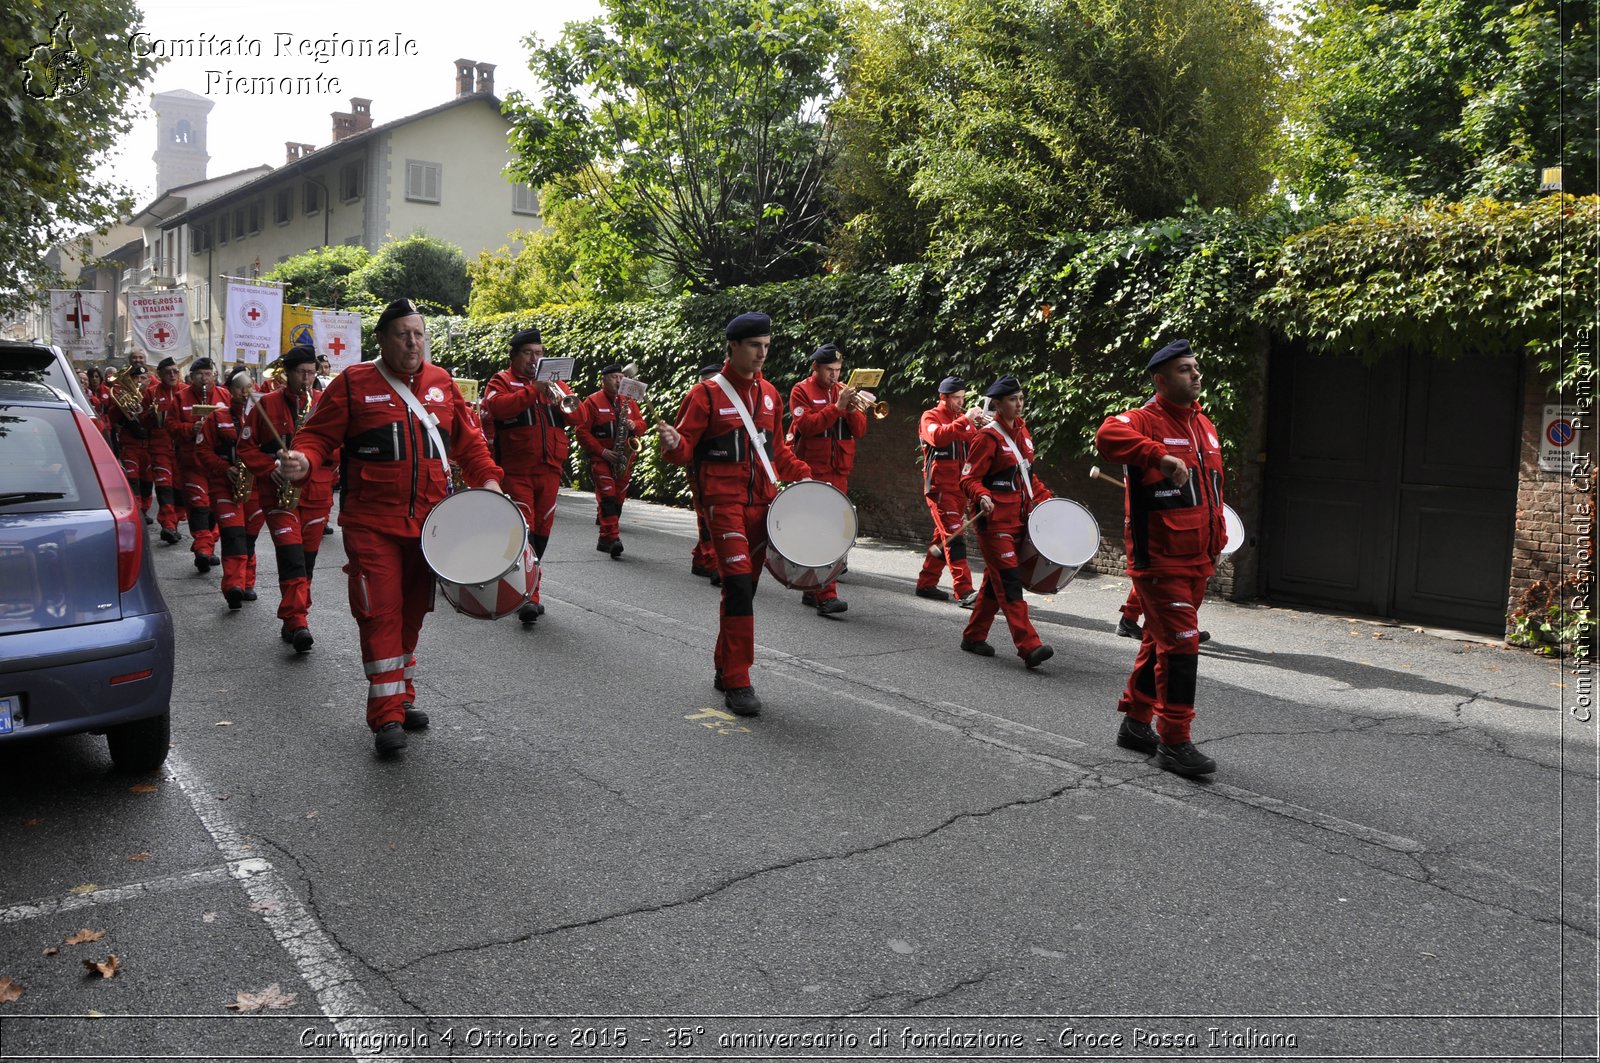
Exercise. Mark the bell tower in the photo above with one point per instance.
(180, 155)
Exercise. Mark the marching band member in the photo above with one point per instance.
(530, 442)
(946, 431)
(999, 480)
(132, 431)
(1173, 530)
(824, 424)
(193, 481)
(165, 400)
(234, 493)
(99, 394)
(398, 421)
(737, 484)
(610, 460)
(703, 559)
(296, 516)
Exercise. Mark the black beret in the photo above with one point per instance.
(1175, 349)
(397, 309)
(827, 354)
(166, 362)
(526, 336)
(708, 371)
(745, 326)
(136, 370)
(607, 370)
(1006, 385)
(201, 363)
(297, 356)
(952, 384)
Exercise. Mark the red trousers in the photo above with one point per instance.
(196, 488)
(536, 493)
(610, 491)
(164, 472)
(391, 591)
(739, 536)
(949, 510)
(135, 455)
(238, 524)
(296, 538)
(1163, 681)
(704, 554)
(998, 535)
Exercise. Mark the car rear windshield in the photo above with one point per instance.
(27, 364)
(44, 465)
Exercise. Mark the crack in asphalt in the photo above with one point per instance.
(735, 880)
(554, 755)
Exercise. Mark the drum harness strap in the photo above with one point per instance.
(421, 415)
(749, 426)
(1024, 466)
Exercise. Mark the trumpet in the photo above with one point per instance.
(867, 402)
(565, 400)
(979, 413)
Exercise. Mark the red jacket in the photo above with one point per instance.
(714, 439)
(595, 422)
(822, 436)
(1168, 529)
(529, 429)
(165, 417)
(991, 467)
(392, 476)
(258, 447)
(946, 439)
(188, 434)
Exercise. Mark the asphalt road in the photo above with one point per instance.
(913, 853)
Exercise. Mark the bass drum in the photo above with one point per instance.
(1235, 527)
(1062, 537)
(476, 543)
(811, 527)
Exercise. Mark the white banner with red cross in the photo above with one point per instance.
(252, 323)
(338, 337)
(160, 321)
(78, 323)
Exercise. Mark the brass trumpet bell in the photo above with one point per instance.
(867, 402)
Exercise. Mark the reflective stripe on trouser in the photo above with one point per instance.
(296, 538)
(1002, 581)
(1162, 684)
(1131, 609)
(829, 591)
(610, 491)
(164, 471)
(238, 524)
(536, 492)
(947, 508)
(197, 496)
(391, 591)
(739, 535)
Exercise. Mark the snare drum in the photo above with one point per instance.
(476, 543)
(811, 526)
(1062, 537)
(1235, 527)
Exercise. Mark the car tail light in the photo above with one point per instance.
(119, 499)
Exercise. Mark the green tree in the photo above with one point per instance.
(1398, 101)
(992, 124)
(697, 124)
(68, 79)
(323, 276)
(417, 267)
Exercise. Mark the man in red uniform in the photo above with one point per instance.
(824, 424)
(201, 390)
(165, 401)
(132, 432)
(998, 478)
(946, 432)
(610, 460)
(296, 515)
(703, 559)
(237, 507)
(530, 442)
(399, 421)
(1174, 530)
(738, 482)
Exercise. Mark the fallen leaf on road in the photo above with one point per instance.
(93, 1014)
(107, 967)
(139, 857)
(143, 788)
(9, 990)
(312, 814)
(34, 822)
(209, 917)
(87, 887)
(224, 723)
(264, 906)
(270, 997)
(1558, 684)
(1379, 635)
(85, 935)
(52, 950)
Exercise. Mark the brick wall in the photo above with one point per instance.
(1552, 539)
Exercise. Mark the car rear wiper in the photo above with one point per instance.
(17, 498)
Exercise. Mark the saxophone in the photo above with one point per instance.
(289, 493)
(621, 436)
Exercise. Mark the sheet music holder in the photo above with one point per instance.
(630, 388)
(554, 368)
(864, 378)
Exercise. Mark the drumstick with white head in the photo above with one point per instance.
(1106, 477)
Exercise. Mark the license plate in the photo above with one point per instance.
(8, 710)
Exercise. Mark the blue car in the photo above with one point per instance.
(85, 636)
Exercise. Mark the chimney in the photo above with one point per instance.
(293, 152)
(362, 111)
(485, 86)
(464, 68)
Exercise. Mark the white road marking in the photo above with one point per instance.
(133, 891)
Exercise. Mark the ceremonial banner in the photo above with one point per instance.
(296, 330)
(160, 321)
(78, 323)
(338, 335)
(252, 327)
